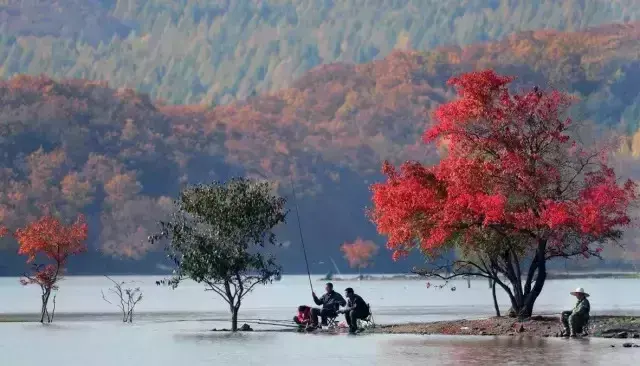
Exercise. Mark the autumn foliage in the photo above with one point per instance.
(359, 253)
(512, 173)
(119, 157)
(50, 241)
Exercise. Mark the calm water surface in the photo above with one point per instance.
(173, 327)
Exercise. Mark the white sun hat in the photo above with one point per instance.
(579, 290)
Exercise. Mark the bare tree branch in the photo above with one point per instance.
(128, 297)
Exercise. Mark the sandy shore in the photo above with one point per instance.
(537, 326)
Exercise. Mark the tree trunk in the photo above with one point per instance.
(53, 311)
(495, 298)
(527, 308)
(45, 304)
(234, 318)
(522, 305)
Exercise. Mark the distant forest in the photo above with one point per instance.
(216, 51)
(120, 156)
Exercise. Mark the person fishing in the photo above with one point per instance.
(331, 302)
(575, 320)
(356, 309)
(303, 319)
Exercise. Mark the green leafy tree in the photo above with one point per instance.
(218, 233)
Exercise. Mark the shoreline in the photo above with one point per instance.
(603, 326)
(600, 326)
(550, 276)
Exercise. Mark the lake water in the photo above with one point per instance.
(172, 326)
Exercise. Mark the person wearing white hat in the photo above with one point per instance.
(575, 320)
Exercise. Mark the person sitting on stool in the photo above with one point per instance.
(330, 301)
(573, 321)
(356, 309)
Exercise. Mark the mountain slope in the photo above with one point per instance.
(193, 51)
(114, 154)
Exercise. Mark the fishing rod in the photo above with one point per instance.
(276, 324)
(266, 320)
(304, 250)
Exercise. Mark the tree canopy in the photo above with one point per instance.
(48, 244)
(514, 178)
(217, 236)
(360, 253)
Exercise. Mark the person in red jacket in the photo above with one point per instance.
(303, 319)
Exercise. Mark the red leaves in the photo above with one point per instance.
(511, 166)
(50, 238)
(45, 276)
(3, 231)
(359, 253)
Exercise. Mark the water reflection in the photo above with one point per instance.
(508, 351)
(170, 328)
(220, 338)
(161, 344)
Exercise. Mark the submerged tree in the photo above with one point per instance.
(48, 239)
(218, 234)
(127, 298)
(359, 253)
(513, 191)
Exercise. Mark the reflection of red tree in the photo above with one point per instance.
(359, 253)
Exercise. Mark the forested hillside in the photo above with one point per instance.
(214, 51)
(119, 156)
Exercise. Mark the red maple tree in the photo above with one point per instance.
(50, 240)
(514, 190)
(359, 253)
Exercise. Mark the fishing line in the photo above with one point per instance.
(304, 250)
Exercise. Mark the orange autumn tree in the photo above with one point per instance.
(48, 244)
(359, 253)
(515, 190)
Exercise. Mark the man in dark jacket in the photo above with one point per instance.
(330, 301)
(356, 309)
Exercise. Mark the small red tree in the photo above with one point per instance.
(359, 253)
(513, 191)
(49, 239)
